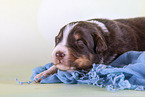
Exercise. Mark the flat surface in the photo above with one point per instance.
(9, 87)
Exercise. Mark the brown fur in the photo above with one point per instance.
(124, 35)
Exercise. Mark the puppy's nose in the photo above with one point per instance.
(59, 55)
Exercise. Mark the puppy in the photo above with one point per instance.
(82, 43)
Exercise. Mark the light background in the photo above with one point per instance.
(28, 27)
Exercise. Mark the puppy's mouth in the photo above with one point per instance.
(66, 64)
(59, 62)
(65, 60)
(61, 66)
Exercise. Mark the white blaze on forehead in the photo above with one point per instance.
(62, 45)
(66, 32)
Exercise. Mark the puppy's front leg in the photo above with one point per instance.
(51, 70)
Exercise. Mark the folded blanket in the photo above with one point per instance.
(126, 72)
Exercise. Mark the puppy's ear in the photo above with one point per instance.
(100, 45)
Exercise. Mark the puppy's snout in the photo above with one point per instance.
(59, 55)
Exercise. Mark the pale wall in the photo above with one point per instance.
(20, 40)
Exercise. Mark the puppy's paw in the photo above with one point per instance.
(45, 73)
(38, 77)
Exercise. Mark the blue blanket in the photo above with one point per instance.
(126, 72)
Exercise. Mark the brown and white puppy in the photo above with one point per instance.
(82, 43)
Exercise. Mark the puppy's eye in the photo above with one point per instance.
(80, 43)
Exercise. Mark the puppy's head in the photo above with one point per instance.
(78, 45)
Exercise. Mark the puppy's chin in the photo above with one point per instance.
(64, 67)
